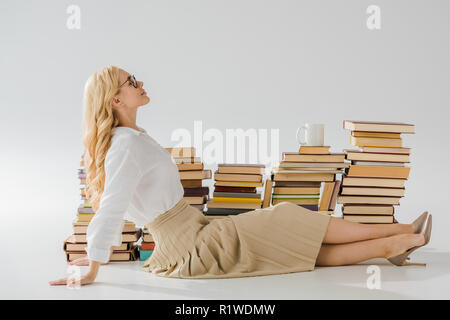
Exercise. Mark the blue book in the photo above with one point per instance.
(145, 254)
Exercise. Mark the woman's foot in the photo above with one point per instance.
(419, 222)
(399, 244)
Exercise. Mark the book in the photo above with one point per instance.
(236, 200)
(235, 189)
(239, 184)
(327, 193)
(296, 196)
(308, 169)
(368, 200)
(191, 183)
(375, 142)
(373, 182)
(368, 209)
(85, 217)
(369, 219)
(81, 227)
(314, 150)
(181, 151)
(233, 205)
(85, 210)
(237, 177)
(195, 174)
(196, 200)
(129, 255)
(181, 160)
(276, 170)
(189, 166)
(377, 163)
(296, 190)
(267, 192)
(373, 191)
(303, 177)
(256, 195)
(144, 254)
(386, 150)
(310, 207)
(147, 237)
(126, 237)
(297, 201)
(379, 157)
(71, 245)
(378, 172)
(224, 211)
(336, 189)
(195, 191)
(368, 134)
(284, 164)
(296, 157)
(147, 245)
(240, 168)
(310, 184)
(373, 126)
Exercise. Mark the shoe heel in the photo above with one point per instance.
(407, 263)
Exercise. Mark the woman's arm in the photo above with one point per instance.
(123, 172)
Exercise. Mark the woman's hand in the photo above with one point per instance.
(85, 279)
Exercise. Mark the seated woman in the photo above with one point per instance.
(128, 171)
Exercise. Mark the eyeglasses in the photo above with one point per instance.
(132, 80)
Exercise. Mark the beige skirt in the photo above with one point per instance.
(280, 239)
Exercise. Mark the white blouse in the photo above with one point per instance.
(142, 182)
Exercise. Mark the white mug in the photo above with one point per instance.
(311, 134)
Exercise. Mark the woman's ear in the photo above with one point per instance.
(115, 102)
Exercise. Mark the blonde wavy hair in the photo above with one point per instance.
(98, 122)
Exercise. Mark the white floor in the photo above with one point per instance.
(26, 278)
(32, 255)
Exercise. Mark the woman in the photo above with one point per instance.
(129, 171)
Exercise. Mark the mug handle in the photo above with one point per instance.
(299, 135)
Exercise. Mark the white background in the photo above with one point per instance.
(231, 64)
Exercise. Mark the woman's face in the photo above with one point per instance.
(129, 96)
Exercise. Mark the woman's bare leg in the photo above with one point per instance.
(342, 231)
(352, 253)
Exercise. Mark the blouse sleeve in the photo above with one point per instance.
(123, 174)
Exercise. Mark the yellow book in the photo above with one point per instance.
(366, 134)
(240, 200)
(375, 142)
(85, 217)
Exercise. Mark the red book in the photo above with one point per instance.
(147, 246)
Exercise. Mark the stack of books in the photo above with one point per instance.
(192, 174)
(300, 177)
(375, 181)
(147, 245)
(85, 213)
(236, 189)
(74, 246)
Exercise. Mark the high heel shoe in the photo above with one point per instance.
(400, 260)
(419, 222)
